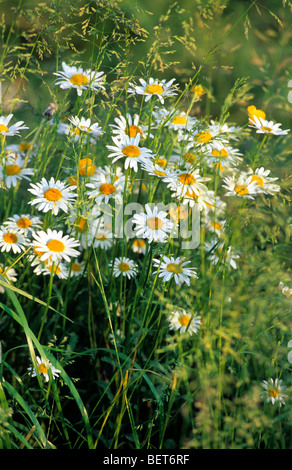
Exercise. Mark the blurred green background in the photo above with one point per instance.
(181, 35)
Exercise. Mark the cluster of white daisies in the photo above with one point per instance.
(198, 149)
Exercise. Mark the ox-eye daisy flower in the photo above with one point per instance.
(10, 275)
(139, 246)
(128, 126)
(240, 185)
(12, 240)
(47, 268)
(287, 291)
(178, 120)
(77, 268)
(85, 125)
(153, 225)
(178, 212)
(52, 195)
(155, 169)
(23, 148)
(24, 223)
(73, 77)
(181, 122)
(104, 188)
(218, 206)
(11, 172)
(273, 391)
(218, 129)
(254, 113)
(101, 237)
(202, 197)
(182, 321)
(83, 224)
(86, 167)
(42, 368)
(204, 139)
(218, 253)
(265, 184)
(53, 244)
(124, 267)
(174, 268)
(154, 87)
(7, 130)
(263, 126)
(128, 148)
(223, 153)
(184, 181)
(115, 173)
(214, 224)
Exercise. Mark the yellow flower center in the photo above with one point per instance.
(154, 223)
(287, 292)
(55, 269)
(267, 129)
(24, 222)
(241, 190)
(253, 111)
(218, 252)
(42, 369)
(107, 188)
(198, 90)
(155, 88)
(101, 236)
(186, 178)
(184, 320)
(203, 137)
(3, 128)
(190, 157)
(56, 245)
(162, 162)
(75, 130)
(79, 79)
(258, 179)
(124, 267)
(273, 393)
(179, 213)
(217, 225)
(131, 151)
(179, 120)
(10, 238)
(72, 180)
(132, 131)
(24, 146)
(86, 167)
(53, 194)
(84, 128)
(219, 166)
(81, 224)
(174, 268)
(220, 153)
(12, 170)
(76, 267)
(139, 243)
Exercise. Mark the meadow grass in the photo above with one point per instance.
(145, 285)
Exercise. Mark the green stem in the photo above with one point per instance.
(48, 302)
